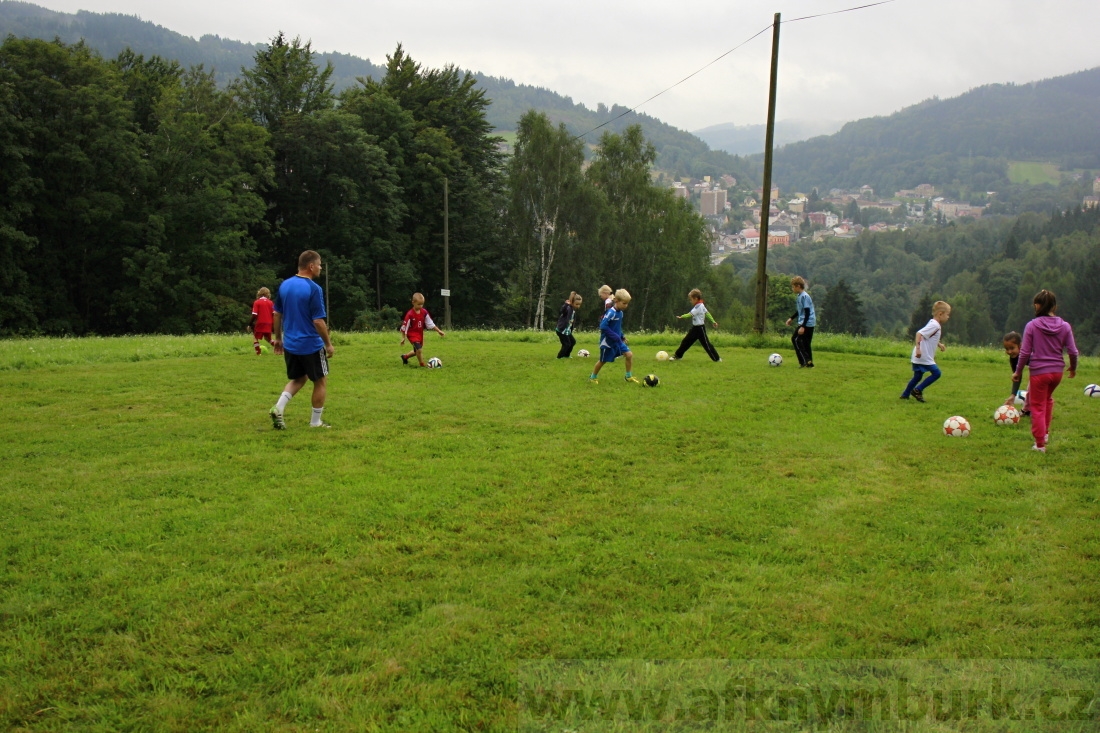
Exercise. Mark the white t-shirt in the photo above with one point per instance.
(929, 343)
(699, 314)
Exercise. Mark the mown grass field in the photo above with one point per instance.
(1033, 173)
(169, 562)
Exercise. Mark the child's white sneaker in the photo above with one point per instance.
(1041, 450)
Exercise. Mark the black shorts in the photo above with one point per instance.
(314, 366)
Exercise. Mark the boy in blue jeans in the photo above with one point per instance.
(924, 352)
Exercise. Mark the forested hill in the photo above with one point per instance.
(966, 141)
(679, 153)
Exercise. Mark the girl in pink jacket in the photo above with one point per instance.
(1045, 337)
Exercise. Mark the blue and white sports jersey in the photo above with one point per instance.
(802, 303)
(611, 328)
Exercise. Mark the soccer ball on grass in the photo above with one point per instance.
(651, 380)
(775, 360)
(1093, 390)
(1005, 415)
(435, 363)
(662, 356)
(1021, 398)
(583, 353)
(956, 427)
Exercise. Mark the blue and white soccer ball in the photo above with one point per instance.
(435, 363)
(775, 360)
(1021, 398)
(1093, 390)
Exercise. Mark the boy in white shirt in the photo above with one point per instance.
(924, 352)
(699, 316)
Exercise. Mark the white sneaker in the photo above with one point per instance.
(1041, 450)
(321, 425)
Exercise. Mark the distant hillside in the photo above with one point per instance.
(749, 139)
(966, 141)
(679, 153)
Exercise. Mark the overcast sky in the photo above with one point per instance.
(843, 67)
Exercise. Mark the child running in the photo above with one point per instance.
(605, 295)
(924, 352)
(263, 318)
(699, 316)
(566, 319)
(1045, 338)
(1011, 342)
(412, 328)
(806, 319)
(612, 343)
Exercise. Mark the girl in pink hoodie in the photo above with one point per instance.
(1045, 337)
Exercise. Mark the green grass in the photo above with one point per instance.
(1033, 173)
(169, 562)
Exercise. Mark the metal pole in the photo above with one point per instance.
(766, 193)
(446, 259)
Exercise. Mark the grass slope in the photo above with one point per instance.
(171, 563)
(1033, 173)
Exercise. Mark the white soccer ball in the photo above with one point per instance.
(1093, 390)
(1005, 415)
(435, 362)
(775, 360)
(1021, 398)
(956, 427)
(583, 353)
(662, 356)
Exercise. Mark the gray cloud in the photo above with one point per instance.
(845, 66)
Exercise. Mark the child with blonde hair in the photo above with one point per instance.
(412, 328)
(566, 318)
(612, 343)
(925, 344)
(605, 295)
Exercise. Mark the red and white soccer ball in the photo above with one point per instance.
(956, 427)
(1093, 390)
(583, 353)
(1005, 415)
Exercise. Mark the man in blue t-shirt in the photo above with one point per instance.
(300, 315)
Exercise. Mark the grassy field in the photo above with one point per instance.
(1033, 173)
(169, 562)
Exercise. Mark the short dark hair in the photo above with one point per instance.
(1046, 301)
(307, 258)
(1013, 338)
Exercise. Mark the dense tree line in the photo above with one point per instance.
(989, 270)
(136, 196)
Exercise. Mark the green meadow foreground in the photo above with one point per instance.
(169, 562)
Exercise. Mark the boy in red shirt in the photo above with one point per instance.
(412, 328)
(262, 318)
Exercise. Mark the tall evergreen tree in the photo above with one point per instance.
(842, 311)
(920, 315)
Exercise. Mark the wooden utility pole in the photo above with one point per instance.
(446, 260)
(766, 193)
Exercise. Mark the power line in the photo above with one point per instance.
(727, 53)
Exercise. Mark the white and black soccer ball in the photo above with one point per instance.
(775, 360)
(662, 356)
(1092, 390)
(1005, 415)
(583, 353)
(435, 363)
(1021, 398)
(956, 427)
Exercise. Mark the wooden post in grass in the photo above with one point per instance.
(446, 260)
(766, 193)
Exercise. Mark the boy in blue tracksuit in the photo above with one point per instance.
(806, 319)
(612, 343)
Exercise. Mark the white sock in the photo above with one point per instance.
(281, 404)
(316, 419)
